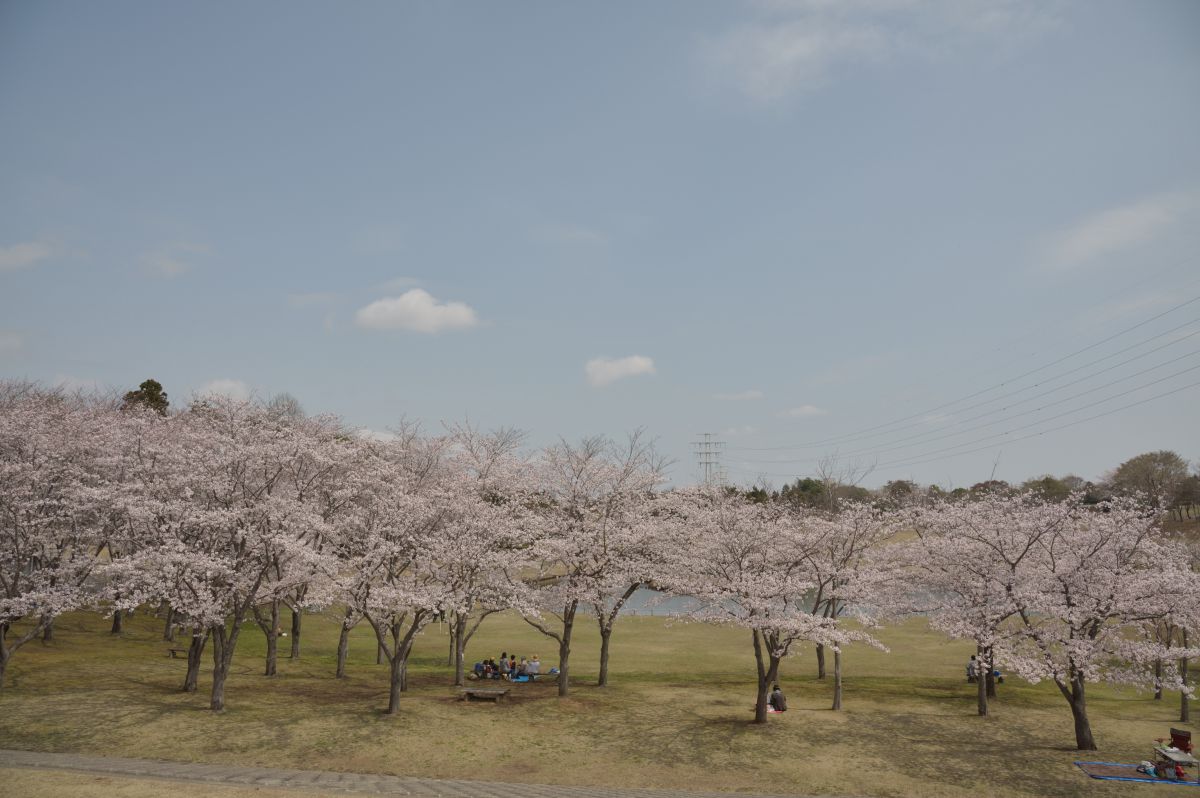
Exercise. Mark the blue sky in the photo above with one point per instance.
(786, 223)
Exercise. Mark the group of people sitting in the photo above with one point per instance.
(508, 668)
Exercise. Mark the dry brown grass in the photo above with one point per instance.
(675, 715)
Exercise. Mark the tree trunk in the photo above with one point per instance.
(768, 670)
(273, 654)
(118, 623)
(223, 646)
(1158, 666)
(217, 697)
(395, 685)
(837, 679)
(297, 617)
(169, 625)
(820, 661)
(195, 651)
(605, 636)
(272, 633)
(981, 694)
(458, 635)
(343, 650)
(607, 618)
(48, 631)
(1076, 698)
(564, 654)
(379, 654)
(452, 626)
(398, 658)
(1185, 713)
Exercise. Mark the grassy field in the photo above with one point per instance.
(675, 715)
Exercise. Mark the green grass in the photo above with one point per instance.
(676, 714)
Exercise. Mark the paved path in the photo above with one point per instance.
(360, 783)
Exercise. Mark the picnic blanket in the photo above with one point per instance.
(1115, 771)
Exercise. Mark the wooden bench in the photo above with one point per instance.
(489, 695)
(177, 652)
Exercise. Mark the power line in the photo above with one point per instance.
(919, 437)
(898, 464)
(1121, 292)
(925, 457)
(951, 403)
(923, 423)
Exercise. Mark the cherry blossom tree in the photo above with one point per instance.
(53, 509)
(966, 561)
(389, 569)
(591, 500)
(846, 561)
(225, 528)
(482, 539)
(747, 564)
(1058, 591)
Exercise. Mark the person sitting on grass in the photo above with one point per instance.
(478, 670)
(534, 666)
(502, 668)
(776, 701)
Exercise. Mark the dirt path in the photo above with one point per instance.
(326, 781)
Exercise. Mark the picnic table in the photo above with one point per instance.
(483, 694)
(1167, 758)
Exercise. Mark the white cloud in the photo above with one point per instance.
(230, 389)
(11, 341)
(416, 310)
(604, 370)
(770, 61)
(22, 256)
(796, 45)
(1116, 229)
(741, 396)
(803, 411)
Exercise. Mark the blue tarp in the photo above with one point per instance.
(1134, 775)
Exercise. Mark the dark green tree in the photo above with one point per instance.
(807, 492)
(1048, 487)
(149, 394)
(1156, 475)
